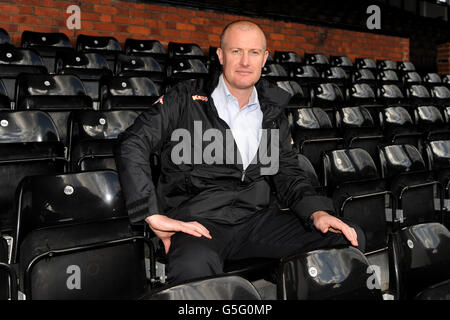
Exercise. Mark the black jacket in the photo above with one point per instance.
(221, 192)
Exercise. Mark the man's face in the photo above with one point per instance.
(243, 55)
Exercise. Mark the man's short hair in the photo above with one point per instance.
(245, 23)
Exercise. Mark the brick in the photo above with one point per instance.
(105, 9)
(26, 10)
(170, 17)
(47, 12)
(139, 14)
(170, 33)
(28, 2)
(158, 8)
(275, 36)
(105, 18)
(105, 27)
(47, 3)
(186, 12)
(31, 20)
(139, 30)
(122, 20)
(4, 17)
(200, 21)
(185, 27)
(8, 8)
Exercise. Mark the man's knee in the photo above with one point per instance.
(191, 261)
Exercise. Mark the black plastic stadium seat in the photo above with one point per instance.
(418, 94)
(128, 92)
(386, 65)
(388, 77)
(152, 48)
(224, 287)
(338, 76)
(411, 77)
(431, 123)
(318, 275)
(75, 225)
(58, 95)
(313, 133)
(8, 282)
(390, 94)
(366, 63)
(89, 67)
(14, 61)
(358, 193)
(141, 66)
(440, 95)
(5, 102)
(287, 59)
(92, 137)
(399, 127)
(326, 95)
(364, 76)
(176, 50)
(343, 62)
(405, 66)
(108, 47)
(411, 183)
(298, 96)
(319, 61)
(29, 144)
(360, 129)
(179, 70)
(423, 252)
(306, 76)
(361, 94)
(5, 39)
(274, 72)
(438, 155)
(48, 45)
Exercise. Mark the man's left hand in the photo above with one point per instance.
(325, 222)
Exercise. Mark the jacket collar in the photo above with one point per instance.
(271, 98)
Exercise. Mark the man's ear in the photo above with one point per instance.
(219, 53)
(266, 55)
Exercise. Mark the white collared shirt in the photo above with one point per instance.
(245, 123)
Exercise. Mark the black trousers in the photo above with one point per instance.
(271, 234)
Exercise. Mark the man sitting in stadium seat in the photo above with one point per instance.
(207, 210)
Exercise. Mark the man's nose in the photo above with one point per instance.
(244, 59)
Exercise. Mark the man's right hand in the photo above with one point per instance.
(165, 227)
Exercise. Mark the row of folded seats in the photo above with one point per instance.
(95, 57)
(52, 219)
(59, 217)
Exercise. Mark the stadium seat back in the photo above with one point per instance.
(48, 45)
(411, 183)
(326, 274)
(93, 135)
(352, 180)
(29, 145)
(424, 258)
(128, 92)
(228, 287)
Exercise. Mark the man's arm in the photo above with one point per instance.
(292, 184)
(295, 189)
(147, 135)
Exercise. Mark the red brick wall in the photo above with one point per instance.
(443, 58)
(123, 19)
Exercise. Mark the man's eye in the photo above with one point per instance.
(255, 53)
(235, 51)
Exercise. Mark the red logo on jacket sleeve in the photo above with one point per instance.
(197, 97)
(160, 100)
